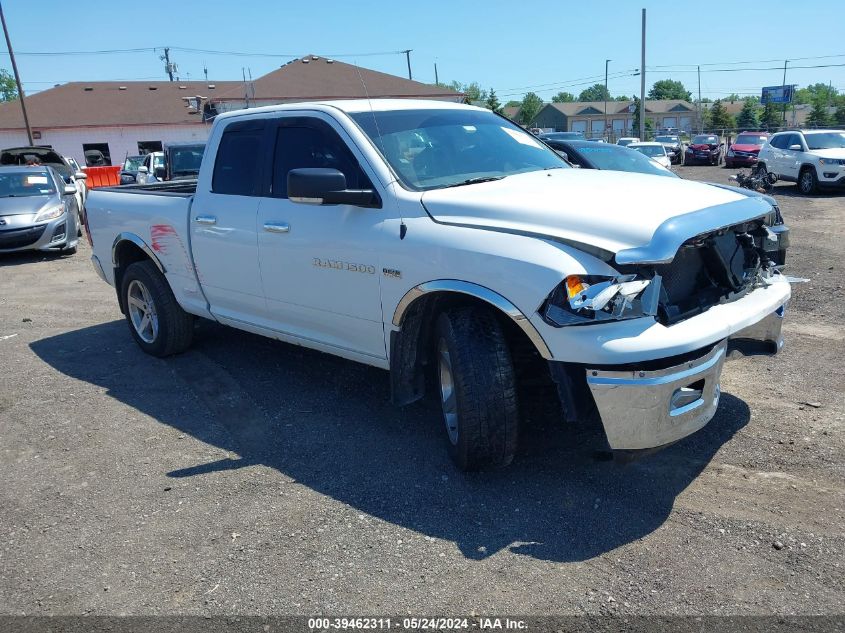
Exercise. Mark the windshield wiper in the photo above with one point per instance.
(474, 181)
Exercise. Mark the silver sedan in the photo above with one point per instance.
(37, 211)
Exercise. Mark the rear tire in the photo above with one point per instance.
(157, 322)
(807, 181)
(477, 388)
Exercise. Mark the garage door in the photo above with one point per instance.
(579, 126)
(670, 122)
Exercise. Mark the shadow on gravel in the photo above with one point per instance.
(21, 258)
(327, 423)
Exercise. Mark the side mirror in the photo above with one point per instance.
(80, 175)
(70, 190)
(562, 154)
(143, 169)
(319, 185)
(796, 148)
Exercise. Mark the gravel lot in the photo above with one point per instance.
(248, 476)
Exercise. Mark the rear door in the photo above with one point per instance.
(223, 224)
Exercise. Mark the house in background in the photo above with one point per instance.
(588, 117)
(127, 118)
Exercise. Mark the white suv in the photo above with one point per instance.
(814, 159)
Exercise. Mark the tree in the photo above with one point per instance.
(732, 97)
(669, 89)
(719, 117)
(493, 102)
(815, 91)
(563, 97)
(596, 92)
(8, 87)
(771, 117)
(649, 126)
(513, 104)
(839, 116)
(622, 98)
(819, 116)
(747, 118)
(530, 105)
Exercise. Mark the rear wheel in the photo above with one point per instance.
(477, 387)
(157, 323)
(807, 181)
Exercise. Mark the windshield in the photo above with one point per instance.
(650, 150)
(563, 136)
(667, 139)
(750, 139)
(431, 149)
(617, 158)
(705, 140)
(186, 160)
(26, 184)
(132, 163)
(825, 140)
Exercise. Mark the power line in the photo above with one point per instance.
(203, 51)
(758, 61)
(736, 70)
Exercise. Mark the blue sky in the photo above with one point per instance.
(512, 47)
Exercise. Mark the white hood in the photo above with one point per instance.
(609, 210)
(836, 152)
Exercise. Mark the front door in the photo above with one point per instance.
(320, 263)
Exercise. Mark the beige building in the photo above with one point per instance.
(589, 118)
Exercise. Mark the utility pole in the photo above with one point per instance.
(168, 68)
(642, 85)
(17, 76)
(436, 78)
(408, 58)
(785, 62)
(205, 71)
(606, 62)
(700, 121)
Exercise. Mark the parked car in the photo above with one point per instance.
(673, 145)
(37, 210)
(182, 160)
(597, 139)
(81, 183)
(704, 149)
(563, 136)
(611, 157)
(129, 171)
(815, 159)
(95, 158)
(152, 169)
(655, 151)
(49, 157)
(627, 140)
(480, 259)
(744, 150)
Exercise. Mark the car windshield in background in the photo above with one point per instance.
(432, 149)
(705, 140)
(750, 139)
(667, 139)
(649, 150)
(186, 160)
(132, 163)
(825, 140)
(26, 184)
(617, 158)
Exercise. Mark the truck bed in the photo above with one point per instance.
(181, 188)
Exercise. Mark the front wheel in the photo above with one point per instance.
(807, 181)
(477, 387)
(156, 321)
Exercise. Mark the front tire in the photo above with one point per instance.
(156, 321)
(807, 181)
(477, 388)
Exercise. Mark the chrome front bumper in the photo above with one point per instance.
(647, 409)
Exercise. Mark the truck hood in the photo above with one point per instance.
(606, 210)
(836, 152)
(745, 148)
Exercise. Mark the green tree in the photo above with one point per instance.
(839, 115)
(530, 105)
(622, 98)
(669, 89)
(772, 116)
(732, 97)
(819, 116)
(719, 117)
(815, 91)
(649, 126)
(747, 118)
(563, 97)
(493, 102)
(596, 92)
(512, 104)
(8, 87)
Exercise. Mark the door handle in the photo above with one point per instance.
(277, 227)
(205, 219)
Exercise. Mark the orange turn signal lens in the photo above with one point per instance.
(574, 286)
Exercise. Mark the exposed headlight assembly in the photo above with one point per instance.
(831, 161)
(586, 299)
(50, 214)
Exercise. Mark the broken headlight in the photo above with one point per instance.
(585, 299)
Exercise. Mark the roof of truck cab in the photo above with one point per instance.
(353, 106)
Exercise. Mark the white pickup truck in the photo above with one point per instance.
(446, 244)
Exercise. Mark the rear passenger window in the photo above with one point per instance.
(778, 141)
(302, 143)
(236, 166)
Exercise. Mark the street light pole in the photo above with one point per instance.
(606, 62)
(642, 86)
(17, 76)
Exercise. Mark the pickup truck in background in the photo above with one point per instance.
(178, 161)
(449, 246)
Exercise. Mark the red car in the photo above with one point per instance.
(745, 148)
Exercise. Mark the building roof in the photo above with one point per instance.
(512, 112)
(655, 106)
(109, 103)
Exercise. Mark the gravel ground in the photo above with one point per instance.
(252, 477)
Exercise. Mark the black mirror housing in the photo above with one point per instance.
(321, 185)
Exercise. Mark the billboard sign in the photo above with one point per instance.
(777, 94)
